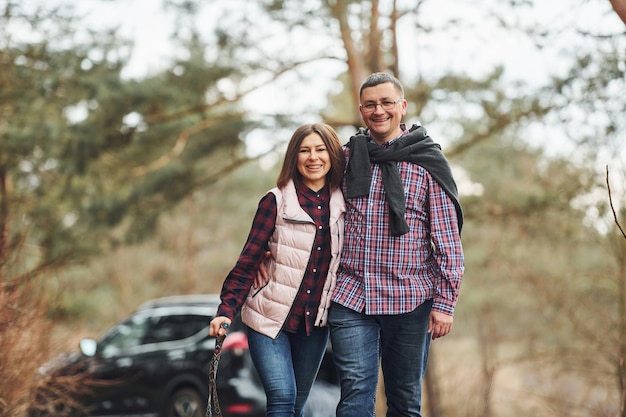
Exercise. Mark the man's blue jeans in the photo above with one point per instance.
(287, 367)
(360, 342)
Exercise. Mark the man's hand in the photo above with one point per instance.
(439, 324)
(262, 276)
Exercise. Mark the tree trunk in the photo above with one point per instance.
(620, 8)
(356, 67)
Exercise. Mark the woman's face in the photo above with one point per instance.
(313, 161)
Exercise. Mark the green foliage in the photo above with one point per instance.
(539, 286)
(192, 250)
(84, 152)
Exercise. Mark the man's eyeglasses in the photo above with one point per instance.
(386, 105)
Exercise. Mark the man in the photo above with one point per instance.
(402, 261)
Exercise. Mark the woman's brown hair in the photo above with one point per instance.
(289, 171)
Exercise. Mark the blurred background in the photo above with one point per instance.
(137, 137)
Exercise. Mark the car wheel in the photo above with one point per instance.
(185, 402)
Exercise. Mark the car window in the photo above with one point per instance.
(144, 329)
(127, 334)
(176, 327)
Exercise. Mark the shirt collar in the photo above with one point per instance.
(309, 194)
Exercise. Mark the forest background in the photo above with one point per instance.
(118, 188)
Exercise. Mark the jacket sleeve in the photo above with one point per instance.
(447, 249)
(240, 279)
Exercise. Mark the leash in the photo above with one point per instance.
(213, 405)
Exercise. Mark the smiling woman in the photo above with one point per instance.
(301, 222)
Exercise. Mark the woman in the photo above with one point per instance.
(301, 223)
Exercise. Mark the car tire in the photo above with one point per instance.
(185, 402)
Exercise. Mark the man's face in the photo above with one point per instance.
(384, 123)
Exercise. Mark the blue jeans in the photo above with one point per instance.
(360, 342)
(287, 367)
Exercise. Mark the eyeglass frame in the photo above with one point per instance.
(382, 105)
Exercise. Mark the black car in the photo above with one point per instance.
(155, 364)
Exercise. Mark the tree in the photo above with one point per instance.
(538, 266)
(89, 160)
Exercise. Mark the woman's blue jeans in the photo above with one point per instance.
(361, 342)
(287, 367)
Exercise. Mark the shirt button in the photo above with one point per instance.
(319, 227)
(314, 269)
(308, 291)
(318, 248)
(319, 207)
(308, 313)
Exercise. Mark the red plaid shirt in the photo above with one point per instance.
(240, 279)
(380, 274)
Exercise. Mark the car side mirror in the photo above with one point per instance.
(88, 347)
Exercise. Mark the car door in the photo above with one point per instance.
(141, 356)
(119, 366)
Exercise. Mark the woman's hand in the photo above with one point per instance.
(219, 326)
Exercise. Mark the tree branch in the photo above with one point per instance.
(608, 187)
(165, 117)
(17, 280)
(178, 148)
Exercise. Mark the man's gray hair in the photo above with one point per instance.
(381, 78)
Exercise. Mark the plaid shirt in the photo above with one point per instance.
(380, 274)
(240, 279)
